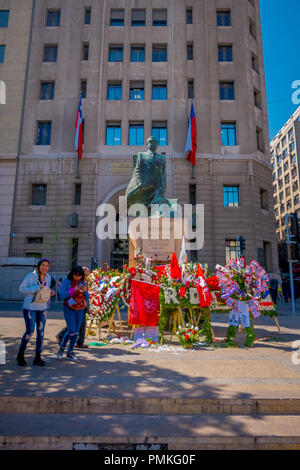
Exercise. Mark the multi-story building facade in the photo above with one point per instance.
(138, 65)
(15, 21)
(285, 164)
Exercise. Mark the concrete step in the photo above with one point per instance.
(129, 432)
(148, 406)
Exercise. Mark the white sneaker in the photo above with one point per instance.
(59, 354)
(72, 357)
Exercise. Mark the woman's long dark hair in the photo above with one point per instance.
(78, 271)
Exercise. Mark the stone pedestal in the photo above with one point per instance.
(155, 238)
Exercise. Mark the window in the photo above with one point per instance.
(2, 53)
(264, 199)
(33, 255)
(83, 85)
(137, 53)
(50, 53)
(113, 134)
(138, 17)
(47, 90)
(189, 15)
(285, 153)
(225, 53)
(228, 133)
(39, 195)
(255, 65)
(43, 133)
(279, 160)
(159, 91)
(136, 91)
(283, 142)
(226, 91)
(252, 28)
(231, 196)
(295, 186)
(223, 18)
(77, 194)
(287, 179)
(257, 98)
(35, 240)
(191, 89)
(85, 51)
(291, 134)
(53, 18)
(4, 18)
(190, 51)
(192, 194)
(74, 252)
(87, 16)
(279, 172)
(114, 91)
(160, 132)
(159, 53)
(159, 17)
(288, 205)
(292, 146)
(231, 250)
(296, 200)
(136, 134)
(260, 139)
(115, 54)
(287, 192)
(116, 17)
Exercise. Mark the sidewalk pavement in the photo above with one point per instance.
(119, 398)
(269, 369)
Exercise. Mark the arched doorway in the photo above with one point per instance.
(113, 252)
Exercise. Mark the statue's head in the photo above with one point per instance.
(152, 144)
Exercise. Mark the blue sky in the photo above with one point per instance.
(280, 31)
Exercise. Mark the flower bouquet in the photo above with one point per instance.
(104, 287)
(188, 335)
(242, 288)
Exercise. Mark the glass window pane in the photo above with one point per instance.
(159, 17)
(159, 92)
(117, 17)
(137, 54)
(50, 53)
(44, 133)
(113, 135)
(2, 53)
(87, 16)
(225, 53)
(114, 92)
(223, 18)
(4, 17)
(138, 17)
(159, 54)
(137, 93)
(53, 18)
(226, 91)
(47, 91)
(115, 54)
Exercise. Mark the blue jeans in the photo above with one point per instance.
(74, 320)
(32, 318)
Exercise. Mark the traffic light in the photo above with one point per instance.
(242, 243)
(294, 229)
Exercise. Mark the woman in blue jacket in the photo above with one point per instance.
(35, 312)
(73, 292)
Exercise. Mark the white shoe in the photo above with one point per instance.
(72, 357)
(59, 354)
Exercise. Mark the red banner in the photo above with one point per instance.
(144, 304)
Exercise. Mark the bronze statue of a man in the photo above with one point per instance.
(148, 182)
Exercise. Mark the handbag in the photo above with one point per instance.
(77, 302)
(43, 295)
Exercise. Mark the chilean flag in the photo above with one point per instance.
(191, 140)
(78, 127)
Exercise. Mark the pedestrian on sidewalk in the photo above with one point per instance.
(81, 337)
(74, 293)
(274, 289)
(36, 287)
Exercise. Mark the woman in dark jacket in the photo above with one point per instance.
(73, 291)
